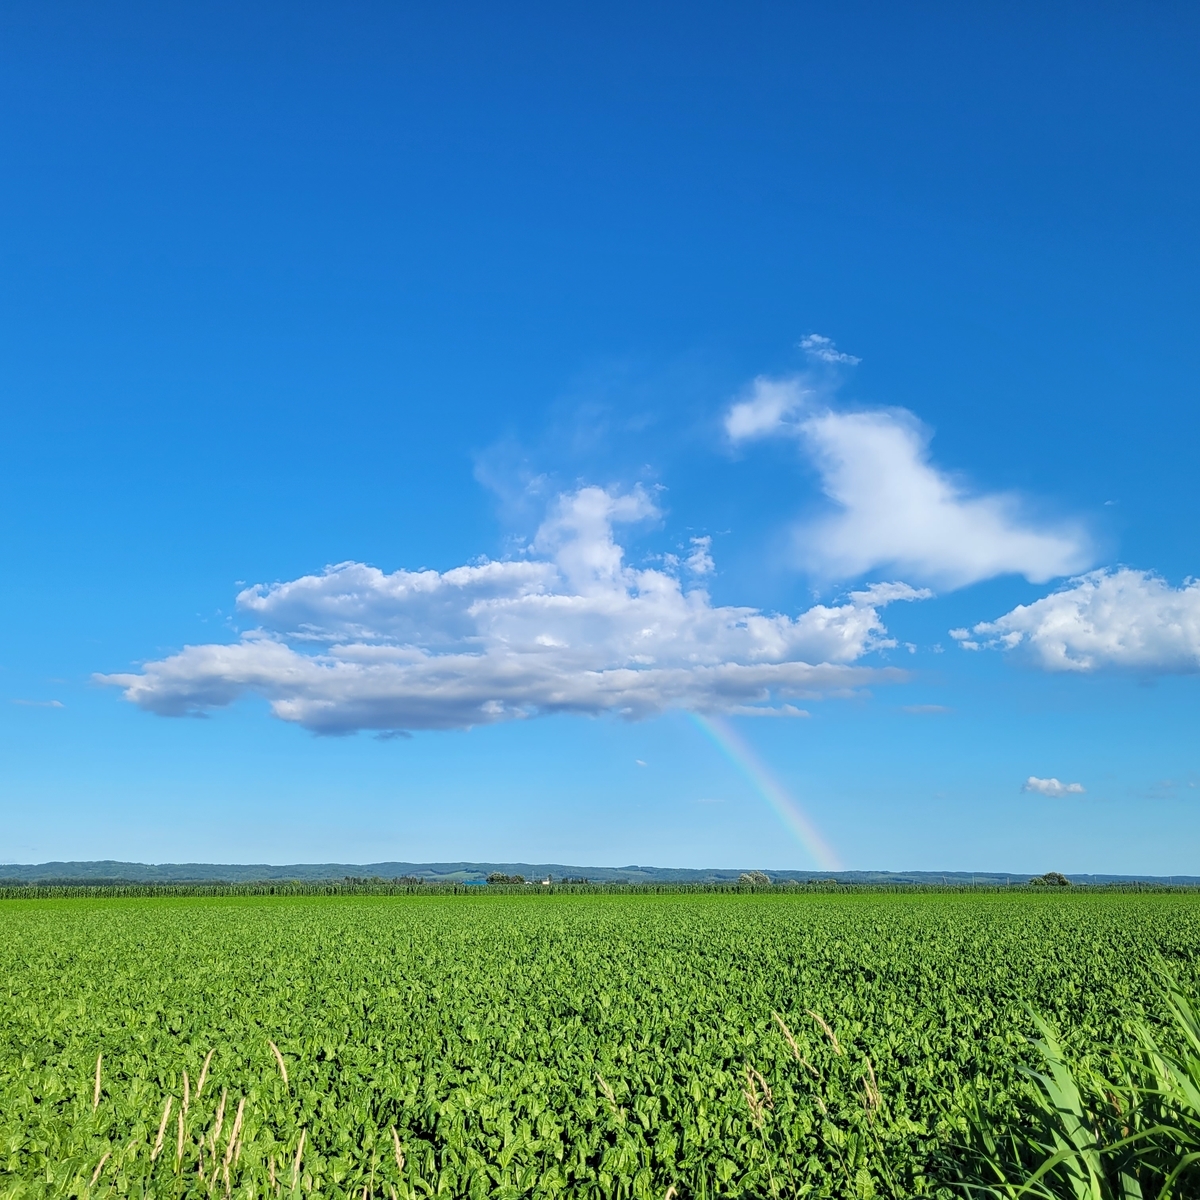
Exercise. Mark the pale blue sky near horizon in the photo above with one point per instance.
(292, 286)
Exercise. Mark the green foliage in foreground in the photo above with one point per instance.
(572, 1045)
(1127, 1128)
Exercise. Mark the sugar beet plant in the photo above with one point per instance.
(575, 1046)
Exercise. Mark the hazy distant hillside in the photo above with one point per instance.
(109, 871)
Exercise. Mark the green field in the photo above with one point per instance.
(544, 1045)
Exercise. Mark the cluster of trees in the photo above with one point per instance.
(754, 879)
(1050, 879)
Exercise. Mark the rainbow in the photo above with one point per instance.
(769, 788)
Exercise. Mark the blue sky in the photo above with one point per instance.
(643, 373)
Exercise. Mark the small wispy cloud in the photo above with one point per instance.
(925, 709)
(640, 762)
(700, 561)
(766, 409)
(1052, 787)
(781, 710)
(40, 703)
(822, 349)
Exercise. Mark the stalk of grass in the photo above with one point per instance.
(791, 1041)
(96, 1089)
(279, 1060)
(204, 1072)
(299, 1156)
(231, 1148)
(220, 1121)
(99, 1167)
(759, 1099)
(162, 1129)
(820, 1020)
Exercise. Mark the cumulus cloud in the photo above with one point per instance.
(569, 628)
(1118, 617)
(893, 508)
(1051, 787)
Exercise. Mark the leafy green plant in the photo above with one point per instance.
(1081, 1134)
(512, 1043)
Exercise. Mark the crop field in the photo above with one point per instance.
(748, 1045)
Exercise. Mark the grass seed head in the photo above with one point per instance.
(791, 1041)
(279, 1060)
(820, 1020)
(99, 1167)
(216, 1133)
(299, 1156)
(204, 1072)
(233, 1134)
(96, 1089)
(162, 1129)
(398, 1151)
(758, 1096)
(871, 1088)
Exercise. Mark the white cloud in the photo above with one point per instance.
(571, 628)
(893, 508)
(40, 703)
(700, 561)
(754, 710)
(1110, 618)
(823, 350)
(765, 408)
(1051, 787)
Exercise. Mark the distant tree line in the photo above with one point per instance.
(378, 880)
(498, 877)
